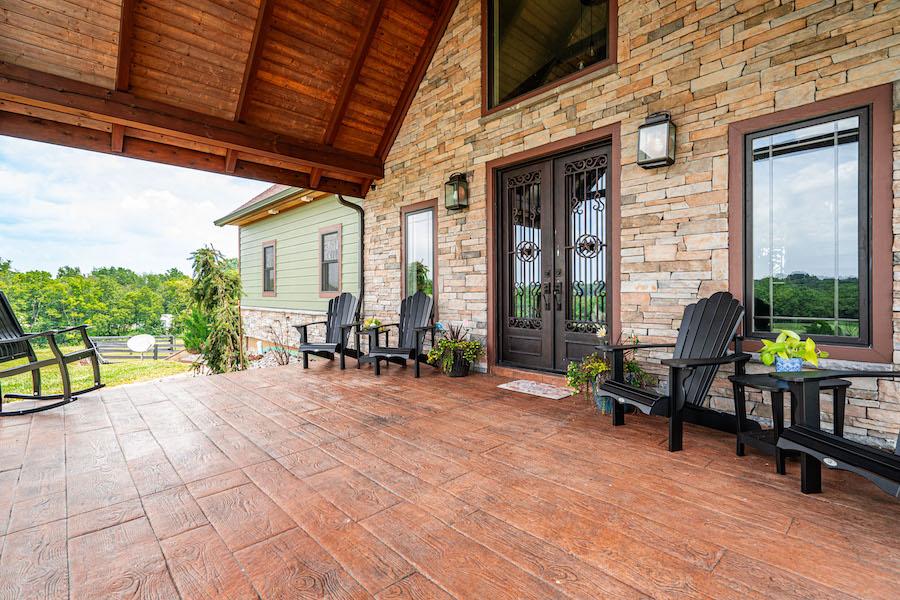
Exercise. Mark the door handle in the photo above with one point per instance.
(548, 292)
(557, 293)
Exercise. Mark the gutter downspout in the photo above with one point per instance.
(362, 247)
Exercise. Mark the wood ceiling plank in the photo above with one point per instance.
(57, 93)
(193, 31)
(26, 50)
(211, 18)
(126, 45)
(56, 22)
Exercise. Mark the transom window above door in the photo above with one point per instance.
(533, 44)
(807, 221)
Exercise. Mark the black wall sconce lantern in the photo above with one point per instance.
(456, 192)
(656, 141)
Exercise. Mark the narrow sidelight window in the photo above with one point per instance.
(419, 249)
(330, 261)
(532, 44)
(269, 268)
(808, 242)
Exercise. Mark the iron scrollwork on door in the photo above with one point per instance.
(586, 243)
(524, 199)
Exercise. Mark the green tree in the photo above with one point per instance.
(216, 292)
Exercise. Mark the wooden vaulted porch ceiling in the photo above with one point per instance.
(307, 93)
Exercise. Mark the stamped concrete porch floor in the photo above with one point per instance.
(281, 483)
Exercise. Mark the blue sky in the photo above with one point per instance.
(60, 206)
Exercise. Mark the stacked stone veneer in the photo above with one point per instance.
(709, 63)
(271, 326)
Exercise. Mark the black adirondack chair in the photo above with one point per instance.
(15, 344)
(342, 317)
(707, 329)
(819, 447)
(415, 321)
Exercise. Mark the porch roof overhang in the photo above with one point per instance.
(308, 95)
(274, 200)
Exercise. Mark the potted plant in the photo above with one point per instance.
(788, 352)
(454, 353)
(372, 323)
(584, 376)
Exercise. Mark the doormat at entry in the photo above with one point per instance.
(535, 388)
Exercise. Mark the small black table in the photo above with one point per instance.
(766, 440)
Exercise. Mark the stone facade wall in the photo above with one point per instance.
(709, 63)
(268, 325)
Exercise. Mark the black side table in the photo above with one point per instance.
(766, 440)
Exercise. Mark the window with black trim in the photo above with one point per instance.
(533, 43)
(330, 265)
(807, 242)
(269, 268)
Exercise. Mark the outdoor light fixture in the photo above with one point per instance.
(656, 141)
(456, 192)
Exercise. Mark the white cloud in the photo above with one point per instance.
(60, 206)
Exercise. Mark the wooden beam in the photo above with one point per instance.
(260, 31)
(360, 51)
(63, 134)
(117, 138)
(34, 88)
(126, 35)
(426, 53)
(314, 177)
(231, 157)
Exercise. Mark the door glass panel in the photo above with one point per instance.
(585, 246)
(536, 42)
(524, 194)
(419, 254)
(805, 229)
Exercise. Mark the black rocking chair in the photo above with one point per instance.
(415, 321)
(819, 447)
(343, 314)
(707, 329)
(15, 344)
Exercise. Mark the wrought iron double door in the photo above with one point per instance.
(553, 250)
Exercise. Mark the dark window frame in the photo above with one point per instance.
(864, 219)
(880, 101)
(331, 229)
(486, 62)
(405, 212)
(273, 244)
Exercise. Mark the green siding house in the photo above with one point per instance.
(298, 249)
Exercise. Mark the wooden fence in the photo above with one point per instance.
(115, 347)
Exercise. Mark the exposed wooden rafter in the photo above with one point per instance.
(263, 23)
(126, 33)
(415, 79)
(363, 43)
(27, 86)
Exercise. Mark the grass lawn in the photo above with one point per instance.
(126, 371)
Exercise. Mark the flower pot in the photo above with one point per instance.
(460, 366)
(788, 365)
